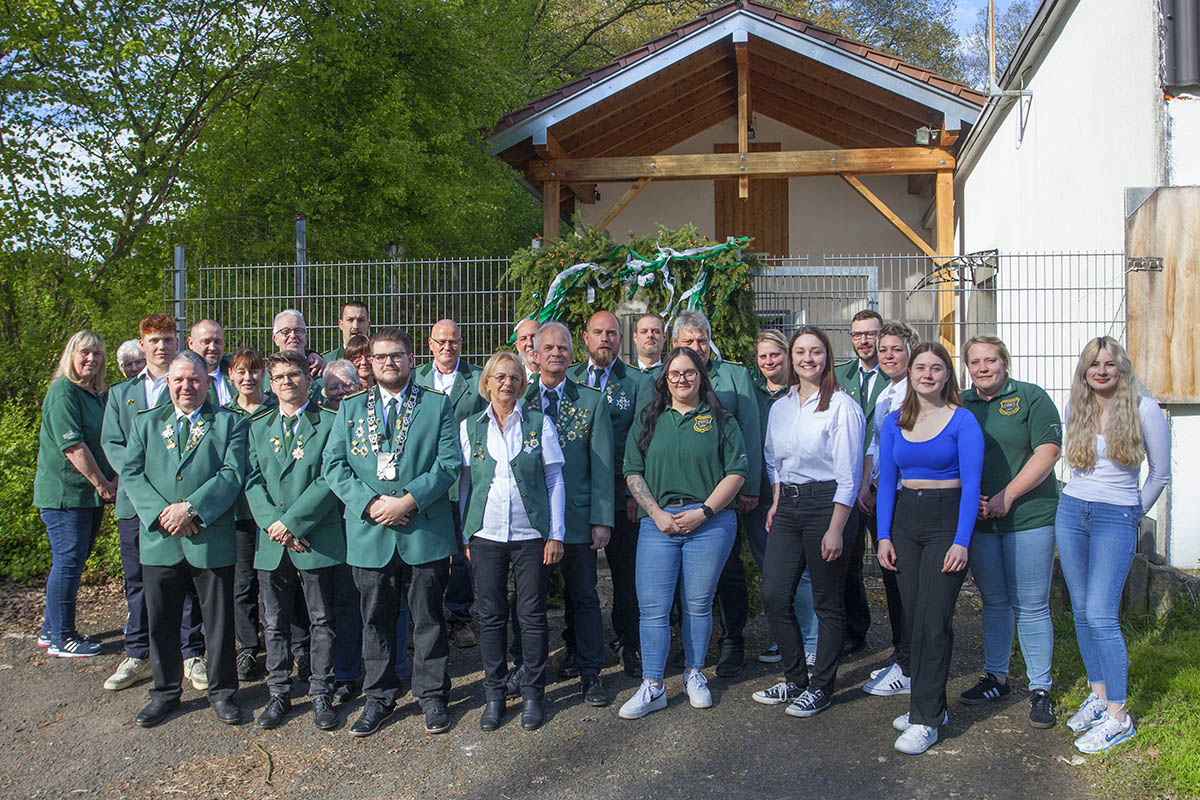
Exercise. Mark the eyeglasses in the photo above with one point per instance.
(287, 332)
(287, 377)
(858, 335)
(446, 342)
(500, 377)
(687, 375)
(383, 358)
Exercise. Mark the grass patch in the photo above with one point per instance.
(1163, 760)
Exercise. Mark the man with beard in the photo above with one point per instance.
(207, 340)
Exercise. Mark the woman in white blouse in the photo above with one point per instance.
(512, 500)
(813, 452)
(1111, 429)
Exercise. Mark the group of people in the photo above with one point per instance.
(318, 508)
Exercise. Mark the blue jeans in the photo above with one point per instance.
(72, 533)
(756, 534)
(694, 561)
(1013, 571)
(1096, 543)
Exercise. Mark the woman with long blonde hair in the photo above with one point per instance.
(1111, 429)
(71, 486)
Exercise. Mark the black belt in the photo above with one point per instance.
(683, 501)
(806, 489)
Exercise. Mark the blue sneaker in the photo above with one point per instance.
(74, 647)
(1108, 733)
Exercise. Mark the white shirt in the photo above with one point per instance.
(224, 397)
(806, 446)
(504, 516)
(444, 383)
(643, 366)
(384, 395)
(874, 374)
(545, 390)
(890, 399)
(293, 419)
(153, 387)
(602, 372)
(191, 418)
(1109, 482)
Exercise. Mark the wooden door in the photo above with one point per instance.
(763, 215)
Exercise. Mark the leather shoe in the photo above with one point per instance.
(372, 718)
(512, 684)
(436, 718)
(492, 713)
(324, 717)
(155, 712)
(731, 662)
(852, 646)
(569, 667)
(345, 692)
(593, 691)
(272, 716)
(303, 663)
(632, 661)
(228, 712)
(531, 714)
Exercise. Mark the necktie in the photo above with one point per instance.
(389, 416)
(185, 432)
(864, 382)
(594, 377)
(552, 405)
(289, 426)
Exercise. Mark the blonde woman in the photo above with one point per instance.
(1111, 429)
(71, 486)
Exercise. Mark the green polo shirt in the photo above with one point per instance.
(70, 416)
(1019, 418)
(686, 459)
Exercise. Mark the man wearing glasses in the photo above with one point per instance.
(290, 332)
(391, 458)
(863, 380)
(451, 375)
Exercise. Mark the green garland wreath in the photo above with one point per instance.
(597, 273)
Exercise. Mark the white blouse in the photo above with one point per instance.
(804, 445)
(1109, 482)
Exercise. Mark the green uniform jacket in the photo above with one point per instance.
(209, 474)
(242, 511)
(285, 485)
(334, 354)
(735, 390)
(71, 416)
(847, 376)
(464, 393)
(765, 401)
(528, 468)
(585, 434)
(426, 470)
(627, 390)
(215, 398)
(125, 400)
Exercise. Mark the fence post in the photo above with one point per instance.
(301, 260)
(179, 287)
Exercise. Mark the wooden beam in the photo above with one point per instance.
(769, 105)
(797, 110)
(889, 215)
(551, 203)
(742, 54)
(551, 149)
(624, 200)
(670, 117)
(944, 199)
(790, 93)
(795, 163)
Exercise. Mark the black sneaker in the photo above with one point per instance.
(247, 666)
(782, 692)
(1041, 709)
(987, 690)
(810, 703)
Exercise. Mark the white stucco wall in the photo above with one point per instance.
(826, 216)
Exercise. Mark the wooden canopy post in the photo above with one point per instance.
(624, 200)
(743, 97)
(944, 199)
(551, 201)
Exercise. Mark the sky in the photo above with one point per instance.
(967, 12)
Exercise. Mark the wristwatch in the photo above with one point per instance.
(708, 512)
(191, 511)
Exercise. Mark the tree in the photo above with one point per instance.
(1010, 26)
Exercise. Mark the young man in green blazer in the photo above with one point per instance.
(450, 374)
(299, 536)
(863, 380)
(735, 389)
(391, 458)
(184, 468)
(581, 418)
(625, 390)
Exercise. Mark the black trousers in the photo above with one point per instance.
(137, 628)
(379, 591)
(794, 544)
(490, 563)
(460, 593)
(279, 608)
(621, 554)
(858, 609)
(584, 631)
(895, 610)
(733, 601)
(166, 589)
(922, 532)
(247, 603)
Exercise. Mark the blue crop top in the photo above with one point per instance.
(956, 452)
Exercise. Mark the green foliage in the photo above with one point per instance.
(728, 301)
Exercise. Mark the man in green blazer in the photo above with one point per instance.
(735, 389)
(353, 320)
(625, 390)
(184, 468)
(299, 535)
(864, 381)
(207, 340)
(581, 417)
(391, 458)
(450, 374)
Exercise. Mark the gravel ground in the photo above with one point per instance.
(66, 737)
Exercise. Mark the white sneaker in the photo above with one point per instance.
(196, 670)
(696, 686)
(902, 724)
(1108, 733)
(889, 682)
(1089, 715)
(648, 698)
(916, 739)
(129, 671)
